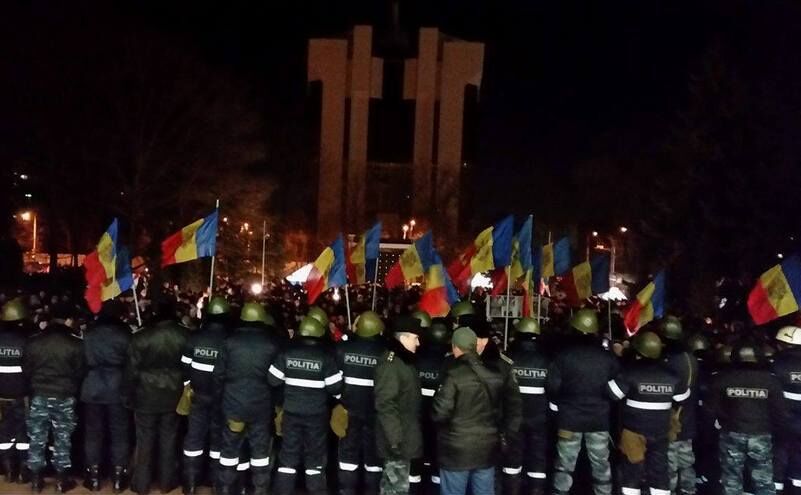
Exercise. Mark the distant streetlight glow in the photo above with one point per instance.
(336, 297)
(623, 230)
(405, 229)
(256, 288)
(23, 176)
(780, 256)
(595, 233)
(28, 195)
(25, 215)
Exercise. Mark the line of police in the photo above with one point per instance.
(250, 383)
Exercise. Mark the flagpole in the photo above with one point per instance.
(347, 305)
(136, 302)
(213, 257)
(263, 249)
(375, 281)
(506, 315)
(609, 318)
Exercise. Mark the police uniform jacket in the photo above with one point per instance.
(746, 399)
(397, 404)
(430, 363)
(153, 378)
(200, 356)
(309, 373)
(54, 362)
(105, 346)
(685, 366)
(242, 370)
(577, 382)
(647, 390)
(357, 358)
(787, 368)
(12, 351)
(531, 371)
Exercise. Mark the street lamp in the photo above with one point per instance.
(405, 229)
(623, 230)
(412, 223)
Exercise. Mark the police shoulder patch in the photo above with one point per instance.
(390, 356)
(507, 359)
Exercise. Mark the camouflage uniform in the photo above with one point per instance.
(395, 480)
(568, 448)
(681, 460)
(735, 449)
(44, 412)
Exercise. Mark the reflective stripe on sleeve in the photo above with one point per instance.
(532, 390)
(613, 386)
(10, 369)
(202, 367)
(276, 372)
(335, 378)
(361, 382)
(681, 397)
(186, 359)
(428, 392)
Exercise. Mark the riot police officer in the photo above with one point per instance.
(241, 380)
(681, 457)
(576, 381)
(309, 373)
(106, 344)
(357, 358)
(13, 435)
(650, 391)
(434, 348)
(527, 452)
(205, 415)
(747, 402)
(787, 367)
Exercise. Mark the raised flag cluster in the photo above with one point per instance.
(107, 270)
(421, 260)
(491, 249)
(362, 259)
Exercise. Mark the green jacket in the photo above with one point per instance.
(153, 377)
(474, 406)
(397, 404)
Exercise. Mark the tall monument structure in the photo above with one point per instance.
(435, 80)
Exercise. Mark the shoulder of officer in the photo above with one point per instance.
(390, 356)
(506, 359)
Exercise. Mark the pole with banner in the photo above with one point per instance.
(375, 282)
(508, 299)
(136, 302)
(263, 249)
(214, 256)
(347, 306)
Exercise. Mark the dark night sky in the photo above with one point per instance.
(565, 82)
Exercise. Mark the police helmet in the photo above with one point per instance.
(647, 345)
(369, 324)
(528, 325)
(311, 327)
(585, 321)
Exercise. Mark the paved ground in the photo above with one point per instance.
(6, 488)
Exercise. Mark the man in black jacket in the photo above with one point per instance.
(431, 358)
(309, 373)
(204, 422)
(747, 401)
(650, 390)
(528, 451)
(576, 385)
(787, 451)
(468, 408)
(13, 389)
(357, 358)
(681, 455)
(397, 403)
(105, 347)
(153, 384)
(241, 381)
(54, 365)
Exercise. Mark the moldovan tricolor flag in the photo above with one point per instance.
(196, 240)
(588, 278)
(439, 294)
(555, 258)
(327, 271)
(491, 249)
(107, 270)
(649, 305)
(361, 258)
(521, 259)
(777, 292)
(413, 263)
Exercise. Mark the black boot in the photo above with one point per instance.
(92, 479)
(221, 489)
(10, 468)
(37, 482)
(64, 483)
(189, 481)
(119, 479)
(24, 476)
